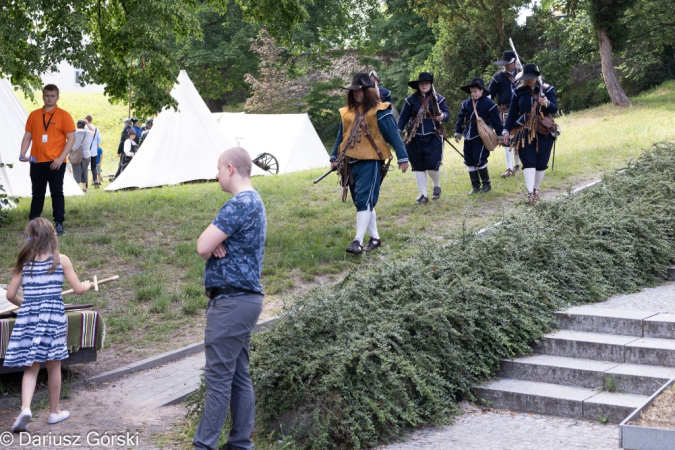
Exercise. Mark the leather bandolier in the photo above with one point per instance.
(363, 143)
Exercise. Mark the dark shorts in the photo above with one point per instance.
(425, 152)
(536, 154)
(475, 153)
(366, 189)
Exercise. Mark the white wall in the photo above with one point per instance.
(65, 79)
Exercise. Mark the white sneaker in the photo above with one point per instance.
(21, 423)
(58, 417)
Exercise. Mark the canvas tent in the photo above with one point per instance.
(183, 145)
(290, 138)
(16, 181)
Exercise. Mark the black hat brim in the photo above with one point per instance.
(468, 87)
(503, 63)
(529, 76)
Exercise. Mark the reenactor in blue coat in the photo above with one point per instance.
(385, 94)
(501, 90)
(475, 153)
(423, 114)
(367, 126)
(530, 126)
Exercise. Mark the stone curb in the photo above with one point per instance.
(160, 359)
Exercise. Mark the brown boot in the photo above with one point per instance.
(355, 248)
(508, 173)
(372, 244)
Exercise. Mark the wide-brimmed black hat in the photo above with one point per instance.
(475, 82)
(529, 72)
(361, 80)
(508, 57)
(423, 76)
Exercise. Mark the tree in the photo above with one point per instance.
(218, 62)
(608, 18)
(119, 43)
(275, 90)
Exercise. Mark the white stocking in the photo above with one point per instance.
(516, 159)
(362, 220)
(435, 176)
(421, 177)
(509, 157)
(539, 175)
(529, 179)
(372, 226)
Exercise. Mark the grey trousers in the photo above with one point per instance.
(229, 323)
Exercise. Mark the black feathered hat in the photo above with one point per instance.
(475, 82)
(508, 57)
(423, 76)
(361, 80)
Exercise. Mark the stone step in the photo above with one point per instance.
(652, 351)
(627, 378)
(659, 326)
(558, 400)
(585, 345)
(603, 320)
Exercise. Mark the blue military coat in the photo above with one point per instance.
(521, 105)
(412, 106)
(385, 94)
(466, 119)
(501, 88)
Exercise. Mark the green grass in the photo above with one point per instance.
(148, 236)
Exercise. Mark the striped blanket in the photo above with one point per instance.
(86, 329)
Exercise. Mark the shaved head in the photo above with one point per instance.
(239, 158)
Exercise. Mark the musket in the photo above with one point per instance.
(519, 64)
(437, 112)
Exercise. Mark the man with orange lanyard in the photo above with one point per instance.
(52, 133)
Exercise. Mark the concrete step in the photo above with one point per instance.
(627, 378)
(652, 351)
(603, 320)
(584, 345)
(640, 379)
(561, 370)
(660, 326)
(554, 399)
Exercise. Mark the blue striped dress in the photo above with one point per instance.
(39, 333)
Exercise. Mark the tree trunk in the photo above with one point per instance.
(616, 93)
(214, 104)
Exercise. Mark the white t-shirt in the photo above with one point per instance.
(129, 147)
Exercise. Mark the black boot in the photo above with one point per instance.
(475, 182)
(486, 180)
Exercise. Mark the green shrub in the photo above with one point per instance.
(397, 345)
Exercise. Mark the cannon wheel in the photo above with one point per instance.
(267, 162)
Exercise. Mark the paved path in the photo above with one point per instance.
(505, 430)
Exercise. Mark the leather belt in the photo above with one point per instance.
(215, 292)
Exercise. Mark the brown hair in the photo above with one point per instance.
(51, 87)
(370, 99)
(39, 237)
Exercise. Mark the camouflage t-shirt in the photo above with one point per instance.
(244, 221)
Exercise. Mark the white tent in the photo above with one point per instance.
(16, 181)
(182, 146)
(290, 138)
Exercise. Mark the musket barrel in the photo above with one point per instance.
(325, 175)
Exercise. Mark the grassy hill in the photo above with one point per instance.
(148, 236)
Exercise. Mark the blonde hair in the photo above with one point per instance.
(39, 237)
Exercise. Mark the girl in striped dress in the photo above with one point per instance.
(39, 334)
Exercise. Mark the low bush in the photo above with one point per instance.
(398, 345)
